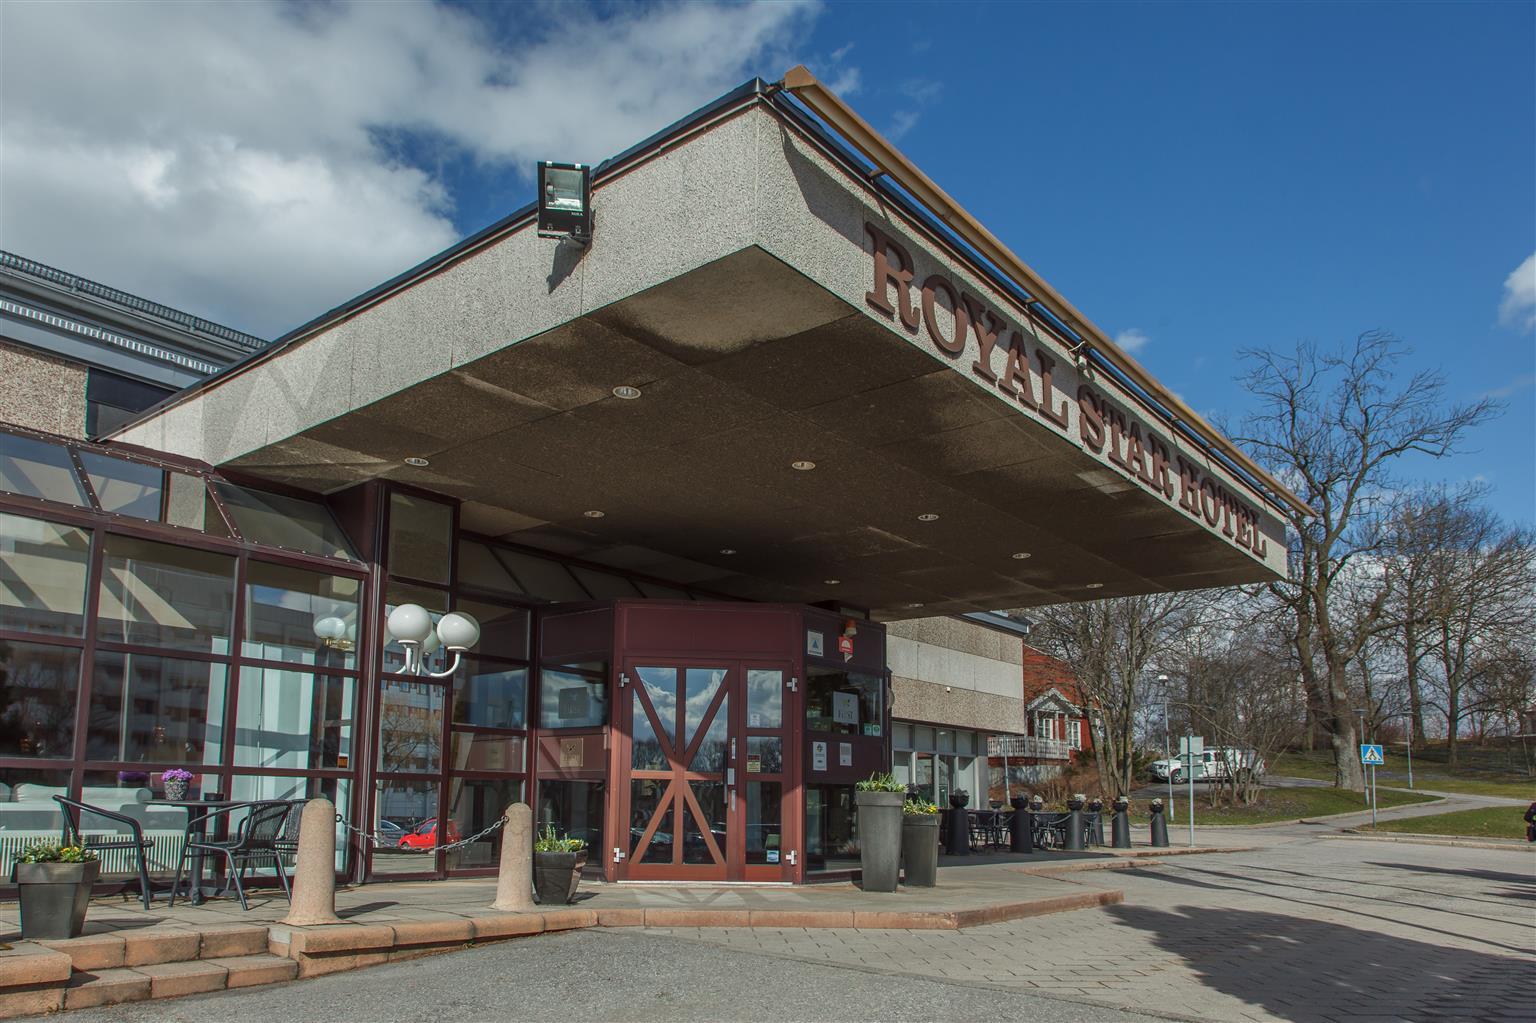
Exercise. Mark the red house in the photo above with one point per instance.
(1057, 731)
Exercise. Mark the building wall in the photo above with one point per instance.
(950, 671)
(42, 392)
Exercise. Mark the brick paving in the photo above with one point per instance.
(1298, 930)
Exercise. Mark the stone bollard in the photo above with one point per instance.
(1159, 826)
(1021, 831)
(1122, 824)
(314, 875)
(514, 880)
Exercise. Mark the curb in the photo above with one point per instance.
(1508, 845)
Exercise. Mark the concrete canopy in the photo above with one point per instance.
(730, 280)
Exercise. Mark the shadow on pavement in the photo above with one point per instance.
(1301, 969)
(1527, 879)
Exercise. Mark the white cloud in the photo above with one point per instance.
(922, 93)
(1132, 340)
(230, 158)
(1519, 306)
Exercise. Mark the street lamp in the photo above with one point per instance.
(1168, 746)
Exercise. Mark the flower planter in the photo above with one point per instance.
(920, 849)
(880, 838)
(556, 875)
(175, 789)
(54, 898)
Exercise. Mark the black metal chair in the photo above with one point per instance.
(255, 840)
(74, 811)
(287, 842)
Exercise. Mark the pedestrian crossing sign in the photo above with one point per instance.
(1370, 756)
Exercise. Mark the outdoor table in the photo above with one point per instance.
(197, 831)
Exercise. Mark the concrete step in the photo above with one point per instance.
(92, 952)
(110, 986)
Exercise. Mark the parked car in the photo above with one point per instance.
(1216, 763)
(390, 833)
(425, 836)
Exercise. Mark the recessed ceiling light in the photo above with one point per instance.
(594, 514)
(1094, 586)
(1021, 555)
(914, 605)
(626, 392)
(802, 465)
(927, 517)
(727, 550)
(417, 462)
(831, 582)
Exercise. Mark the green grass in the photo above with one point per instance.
(1487, 822)
(1285, 805)
(1480, 777)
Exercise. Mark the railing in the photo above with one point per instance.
(43, 271)
(161, 858)
(1029, 746)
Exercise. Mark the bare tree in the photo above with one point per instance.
(1332, 425)
(1110, 646)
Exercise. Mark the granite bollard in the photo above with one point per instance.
(314, 876)
(514, 879)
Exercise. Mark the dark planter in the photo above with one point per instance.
(175, 789)
(920, 848)
(556, 875)
(1074, 804)
(959, 799)
(54, 898)
(880, 838)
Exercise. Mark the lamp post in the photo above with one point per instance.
(1167, 746)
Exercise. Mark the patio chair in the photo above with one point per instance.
(255, 840)
(287, 841)
(134, 842)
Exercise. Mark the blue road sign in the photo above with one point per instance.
(1371, 756)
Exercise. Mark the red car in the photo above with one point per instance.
(425, 836)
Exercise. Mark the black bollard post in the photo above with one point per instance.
(1096, 822)
(1021, 831)
(1122, 825)
(1159, 826)
(1075, 825)
(959, 832)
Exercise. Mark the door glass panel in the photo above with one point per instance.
(646, 753)
(472, 805)
(696, 847)
(661, 686)
(644, 800)
(711, 755)
(702, 685)
(765, 754)
(764, 821)
(765, 696)
(405, 815)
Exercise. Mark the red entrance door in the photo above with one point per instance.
(701, 774)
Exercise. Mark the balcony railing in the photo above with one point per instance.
(1028, 746)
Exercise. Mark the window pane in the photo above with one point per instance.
(191, 505)
(568, 700)
(37, 469)
(490, 696)
(410, 727)
(604, 585)
(127, 488)
(503, 630)
(573, 808)
(544, 579)
(765, 754)
(42, 576)
(765, 695)
(281, 521)
(764, 821)
(478, 751)
(154, 594)
(298, 616)
(843, 702)
(38, 686)
(28, 812)
(420, 538)
(480, 568)
(156, 710)
(338, 790)
(293, 719)
(474, 804)
(406, 818)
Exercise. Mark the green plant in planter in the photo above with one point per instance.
(53, 852)
(919, 807)
(549, 842)
(880, 783)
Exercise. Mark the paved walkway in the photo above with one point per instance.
(1297, 930)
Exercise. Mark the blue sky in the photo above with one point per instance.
(1198, 178)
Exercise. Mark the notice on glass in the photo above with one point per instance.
(572, 752)
(754, 764)
(845, 708)
(815, 643)
(818, 756)
(845, 754)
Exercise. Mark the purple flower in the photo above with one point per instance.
(176, 774)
